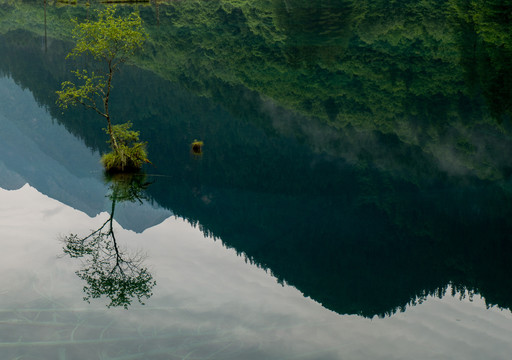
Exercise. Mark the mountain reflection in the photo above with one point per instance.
(107, 270)
(405, 191)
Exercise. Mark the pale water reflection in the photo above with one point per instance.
(208, 303)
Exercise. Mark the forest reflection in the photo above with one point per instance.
(434, 77)
(361, 158)
(107, 269)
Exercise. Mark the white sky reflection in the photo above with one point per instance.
(208, 302)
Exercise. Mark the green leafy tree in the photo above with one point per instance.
(111, 40)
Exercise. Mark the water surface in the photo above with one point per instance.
(353, 199)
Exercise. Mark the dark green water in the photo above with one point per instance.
(352, 201)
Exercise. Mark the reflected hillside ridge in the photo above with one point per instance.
(106, 269)
(365, 189)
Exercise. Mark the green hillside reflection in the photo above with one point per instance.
(367, 164)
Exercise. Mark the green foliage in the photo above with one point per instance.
(493, 20)
(110, 38)
(92, 89)
(130, 153)
(397, 68)
(485, 39)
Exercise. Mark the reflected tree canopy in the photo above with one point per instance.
(106, 268)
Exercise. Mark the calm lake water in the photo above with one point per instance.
(352, 199)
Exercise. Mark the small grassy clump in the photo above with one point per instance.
(128, 153)
(197, 147)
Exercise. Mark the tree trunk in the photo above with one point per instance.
(113, 141)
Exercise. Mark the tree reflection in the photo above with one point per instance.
(107, 270)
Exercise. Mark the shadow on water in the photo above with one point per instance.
(375, 211)
(106, 269)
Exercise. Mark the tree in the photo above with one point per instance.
(106, 269)
(111, 40)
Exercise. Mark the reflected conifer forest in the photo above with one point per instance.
(354, 164)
